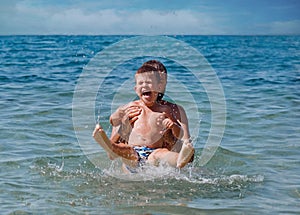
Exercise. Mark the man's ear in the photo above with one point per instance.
(160, 87)
(163, 82)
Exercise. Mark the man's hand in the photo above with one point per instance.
(131, 114)
(124, 115)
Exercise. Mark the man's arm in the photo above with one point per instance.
(183, 122)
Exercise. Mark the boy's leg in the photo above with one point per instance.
(112, 148)
(163, 156)
(173, 159)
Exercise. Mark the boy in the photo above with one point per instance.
(146, 130)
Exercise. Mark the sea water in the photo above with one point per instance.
(44, 169)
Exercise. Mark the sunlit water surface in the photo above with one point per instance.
(255, 169)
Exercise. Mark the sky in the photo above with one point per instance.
(150, 17)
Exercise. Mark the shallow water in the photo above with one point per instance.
(44, 170)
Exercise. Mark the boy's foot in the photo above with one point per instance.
(186, 153)
(102, 139)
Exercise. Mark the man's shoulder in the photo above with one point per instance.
(173, 108)
(170, 104)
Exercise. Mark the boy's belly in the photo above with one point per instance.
(146, 131)
(152, 140)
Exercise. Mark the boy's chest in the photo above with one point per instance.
(150, 119)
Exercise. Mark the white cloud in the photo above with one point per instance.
(26, 19)
(96, 17)
(291, 27)
(285, 27)
(75, 21)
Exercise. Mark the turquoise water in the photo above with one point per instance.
(255, 170)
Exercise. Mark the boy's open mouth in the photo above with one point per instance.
(147, 94)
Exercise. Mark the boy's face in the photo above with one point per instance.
(147, 87)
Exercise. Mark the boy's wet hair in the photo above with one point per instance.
(157, 65)
(159, 69)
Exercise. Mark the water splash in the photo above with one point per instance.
(190, 174)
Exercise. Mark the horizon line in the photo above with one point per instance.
(149, 34)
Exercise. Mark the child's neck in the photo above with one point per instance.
(152, 107)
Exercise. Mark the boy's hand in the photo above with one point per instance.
(166, 123)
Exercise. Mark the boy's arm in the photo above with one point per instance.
(172, 141)
(177, 130)
(178, 123)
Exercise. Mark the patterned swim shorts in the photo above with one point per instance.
(143, 152)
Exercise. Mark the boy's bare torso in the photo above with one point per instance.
(147, 130)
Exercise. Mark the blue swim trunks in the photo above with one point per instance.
(143, 153)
